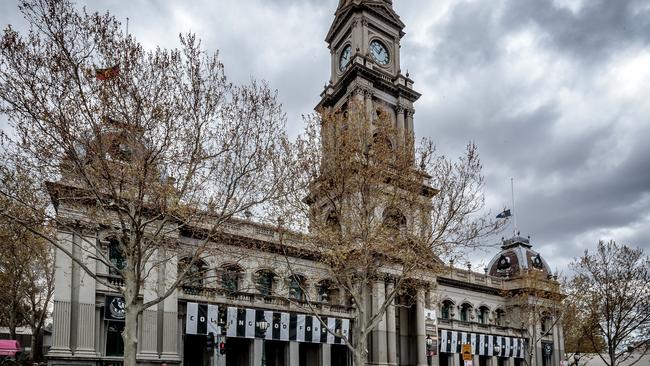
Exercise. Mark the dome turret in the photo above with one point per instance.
(517, 258)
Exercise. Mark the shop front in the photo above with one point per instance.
(243, 335)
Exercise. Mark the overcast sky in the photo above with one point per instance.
(555, 93)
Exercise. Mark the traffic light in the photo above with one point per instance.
(222, 348)
(209, 342)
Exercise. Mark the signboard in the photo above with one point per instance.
(466, 350)
(547, 349)
(115, 308)
(468, 363)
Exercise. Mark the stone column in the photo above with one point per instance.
(86, 296)
(420, 330)
(406, 356)
(558, 342)
(358, 96)
(258, 348)
(409, 120)
(400, 124)
(170, 329)
(148, 332)
(62, 298)
(391, 343)
(326, 355)
(379, 346)
(410, 132)
(294, 354)
(370, 112)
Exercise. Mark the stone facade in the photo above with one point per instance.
(364, 41)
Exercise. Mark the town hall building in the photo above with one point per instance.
(505, 315)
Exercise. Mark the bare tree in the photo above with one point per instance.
(611, 289)
(134, 145)
(26, 259)
(372, 212)
(535, 306)
(576, 343)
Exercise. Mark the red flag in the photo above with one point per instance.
(107, 74)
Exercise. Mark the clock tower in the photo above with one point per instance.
(364, 43)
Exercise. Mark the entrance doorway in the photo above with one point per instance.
(444, 359)
(309, 353)
(483, 360)
(339, 355)
(275, 353)
(238, 351)
(194, 351)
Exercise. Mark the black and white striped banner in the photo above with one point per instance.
(482, 344)
(242, 323)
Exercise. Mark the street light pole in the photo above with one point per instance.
(263, 325)
(429, 342)
(497, 349)
(576, 358)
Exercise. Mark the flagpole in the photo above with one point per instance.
(514, 211)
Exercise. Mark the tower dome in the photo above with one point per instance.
(517, 258)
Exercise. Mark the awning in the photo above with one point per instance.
(9, 347)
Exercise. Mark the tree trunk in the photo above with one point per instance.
(130, 336)
(12, 320)
(359, 359)
(130, 333)
(35, 354)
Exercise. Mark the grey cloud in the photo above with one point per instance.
(598, 29)
(578, 176)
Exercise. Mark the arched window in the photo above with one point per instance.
(116, 256)
(333, 222)
(327, 292)
(547, 323)
(195, 275)
(394, 219)
(230, 275)
(500, 317)
(465, 312)
(447, 311)
(483, 314)
(264, 282)
(297, 285)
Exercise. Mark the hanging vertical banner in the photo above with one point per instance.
(231, 322)
(213, 320)
(191, 318)
(473, 343)
(196, 321)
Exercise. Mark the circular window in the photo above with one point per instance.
(379, 52)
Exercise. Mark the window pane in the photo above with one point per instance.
(265, 284)
(114, 341)
(229, 281)
(116, 257)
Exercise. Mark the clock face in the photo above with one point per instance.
(344, 60)
(379, 52)
(118, 308)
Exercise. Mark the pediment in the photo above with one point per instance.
(378, 7)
